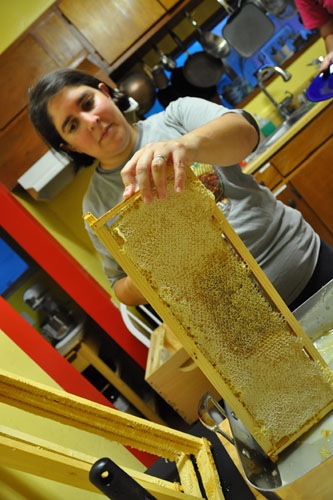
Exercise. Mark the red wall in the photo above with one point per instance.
(68, 273)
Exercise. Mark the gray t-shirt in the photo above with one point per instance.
(283, 244)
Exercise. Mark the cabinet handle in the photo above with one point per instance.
(279, 190)
(292, 202)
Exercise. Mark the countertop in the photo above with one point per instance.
(259, 160)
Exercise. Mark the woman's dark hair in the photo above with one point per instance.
(46, 88)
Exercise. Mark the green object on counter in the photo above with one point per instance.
(268, 128)
(265, 125)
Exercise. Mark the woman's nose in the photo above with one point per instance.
(91, 120)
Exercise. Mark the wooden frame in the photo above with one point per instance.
(49, 460)
(205, 356)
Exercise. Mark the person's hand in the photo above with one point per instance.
(328, 60)
(147, 169)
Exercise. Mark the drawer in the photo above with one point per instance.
(268, 176)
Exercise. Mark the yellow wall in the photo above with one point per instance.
(62, 217)
(16, 16)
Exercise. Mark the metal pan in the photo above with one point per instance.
(166, 61)
(200, 69)
(213, 44)
(183, 87)
(248, 29)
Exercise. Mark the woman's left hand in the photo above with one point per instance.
(147, 169)
(328, 59)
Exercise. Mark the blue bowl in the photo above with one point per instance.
(321, 88)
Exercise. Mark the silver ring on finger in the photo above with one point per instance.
(159, 156)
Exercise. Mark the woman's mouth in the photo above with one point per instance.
(105, 133)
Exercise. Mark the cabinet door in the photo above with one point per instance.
(20, 148)
(55, 35)
(303, 144)
(112, 26)
(21, 65)
(288, 195)
(314, 182)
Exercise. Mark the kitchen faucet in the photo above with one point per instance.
(263, 74)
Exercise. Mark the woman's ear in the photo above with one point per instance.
(66, 147)
(104, 88)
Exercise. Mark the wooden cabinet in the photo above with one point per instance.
(313, 180)
(292, 154)
(301, 173)
(112, 26)
(169, 4)
(21, 65)
(76, 34)
(20, 147)
(20, 144)
(55, 35)
(291, 197)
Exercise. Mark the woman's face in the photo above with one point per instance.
(90, 122)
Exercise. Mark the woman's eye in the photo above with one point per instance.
(88, 103)
(72, 126)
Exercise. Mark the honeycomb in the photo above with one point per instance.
(179, 249)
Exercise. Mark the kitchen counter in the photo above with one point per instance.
(261, 158)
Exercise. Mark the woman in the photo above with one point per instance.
(80, 116)
(318, 14)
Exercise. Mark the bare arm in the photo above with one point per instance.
(127, 292)
(326, 31)
(224, 141)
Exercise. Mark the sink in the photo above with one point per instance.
(281, 129)
(278, 132)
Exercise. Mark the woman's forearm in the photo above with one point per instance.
(224, 141)
(326, 32)
(128, 293)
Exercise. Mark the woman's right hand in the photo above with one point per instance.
(148, 168)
